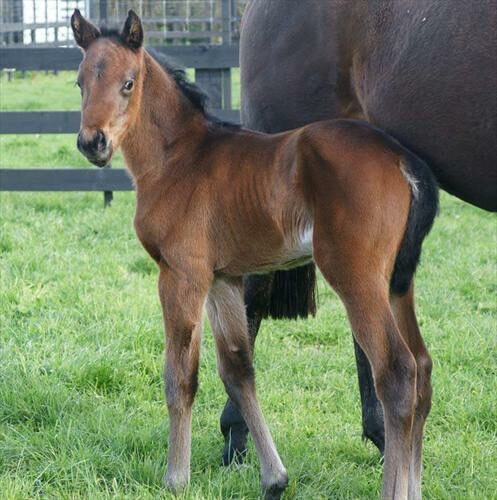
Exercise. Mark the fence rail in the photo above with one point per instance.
(65, 122)
(65, 179)
(60, 58)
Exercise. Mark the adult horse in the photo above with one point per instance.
(424, 71)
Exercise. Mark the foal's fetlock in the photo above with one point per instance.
(275, 488)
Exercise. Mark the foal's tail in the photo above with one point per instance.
(422, 212)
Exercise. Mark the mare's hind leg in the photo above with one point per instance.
(403, 307)
(373, 426)
(226, 311)
(233, 427)
(363, 288)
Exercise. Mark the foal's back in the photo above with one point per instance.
(267, 191)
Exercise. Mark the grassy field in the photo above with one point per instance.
(82, 411)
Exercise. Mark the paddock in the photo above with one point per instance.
(82, 410)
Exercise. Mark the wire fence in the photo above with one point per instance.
(166, 22)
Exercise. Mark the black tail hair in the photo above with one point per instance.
(422, 213)
(293, 293)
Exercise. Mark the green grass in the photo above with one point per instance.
(82, 411)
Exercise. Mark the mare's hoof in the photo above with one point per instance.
(235, 444)
(275, 491)
(376, 436)
(234, 454)
(373, 428)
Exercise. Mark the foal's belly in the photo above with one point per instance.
(295, 252)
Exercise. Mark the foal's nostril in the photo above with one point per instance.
(97, 143)
(101, 142)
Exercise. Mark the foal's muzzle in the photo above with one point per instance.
(95, 147)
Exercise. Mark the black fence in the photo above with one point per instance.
(212, 63)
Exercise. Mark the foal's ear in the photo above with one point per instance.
(132, 32)
(84, 31)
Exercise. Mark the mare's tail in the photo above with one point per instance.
(422, 212)
(293, 293)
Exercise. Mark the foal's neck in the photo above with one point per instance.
(167, 125)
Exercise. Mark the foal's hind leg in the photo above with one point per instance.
(233, 427)
(394, 372)
(364, 291)
(226, 312)
(403, 307)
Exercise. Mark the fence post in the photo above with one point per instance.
(102, 14)
(108, 195)
(18, 17)
(217, 82)
(210, 80)
(226, 72)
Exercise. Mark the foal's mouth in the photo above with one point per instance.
(99, 162)
(101, 159)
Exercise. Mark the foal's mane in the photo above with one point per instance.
(197, 97)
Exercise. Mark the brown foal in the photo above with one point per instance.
(216, 202)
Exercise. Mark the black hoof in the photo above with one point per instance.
(378, 441)
(275, 491)
(235, 432)
(373, 430)
(235, 447)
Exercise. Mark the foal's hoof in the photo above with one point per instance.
(275, 490)
(175, 484)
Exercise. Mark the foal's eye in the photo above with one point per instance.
(128, 86)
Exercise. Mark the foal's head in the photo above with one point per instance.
(110, 78)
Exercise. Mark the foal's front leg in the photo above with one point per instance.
(182, 296)
(226, 311)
